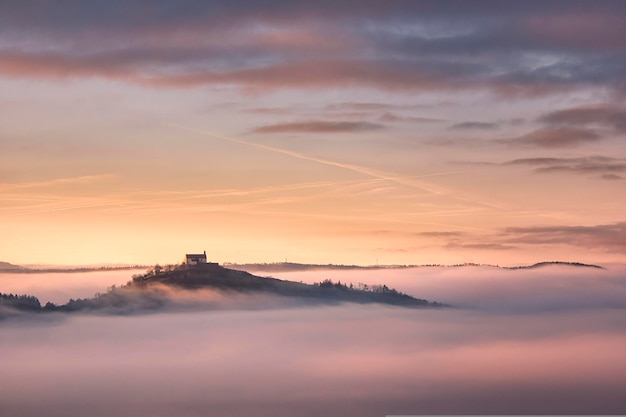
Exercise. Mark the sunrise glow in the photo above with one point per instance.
(407, 133)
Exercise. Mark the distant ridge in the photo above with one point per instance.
(550, 263)
(7, 267)
(278, 267)
(294, 267)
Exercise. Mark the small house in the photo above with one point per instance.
(195, 259)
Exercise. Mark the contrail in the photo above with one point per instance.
(406, 181)
(64, 208)
(57, 181)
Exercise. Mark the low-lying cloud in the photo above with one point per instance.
(519, 342)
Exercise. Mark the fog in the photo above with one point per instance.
(59, 287)
(547, 340)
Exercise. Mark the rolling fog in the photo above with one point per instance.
(548, 340)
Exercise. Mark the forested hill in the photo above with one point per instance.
(162, 287)
(217, 277)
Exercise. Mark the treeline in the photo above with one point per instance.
(370, 293)
(547, 263)
(24, 270)
(159, 286)
(378, 289)
(20, 302)
(156, 270)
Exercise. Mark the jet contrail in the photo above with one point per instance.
(406, 181)
(63, 208)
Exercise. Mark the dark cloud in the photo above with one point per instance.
(611, 177)
(268, 110)
(605, 237)
(606, 167)
(319, 127)
(441, 234)
(603, 115)
(392, 117)
(536, 48)
(608, 237)
(480, 246)
(555, 137)
(390, 112)
(474, 125)
(363, 106)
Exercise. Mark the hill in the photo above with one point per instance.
(214, 276)
(7, 267)
(279, 267)
(157, 289)
(557, 263)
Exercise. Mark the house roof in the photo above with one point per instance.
(196, 255)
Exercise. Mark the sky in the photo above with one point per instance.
(362, 132)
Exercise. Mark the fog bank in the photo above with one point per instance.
(546, 341)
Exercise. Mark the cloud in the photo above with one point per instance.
(382, 111)
(318, 126)
(602, 115)
(603, 238)
(268, 110)
(474, 125)
(446, 234)
(608, 237)
(611, 177)
(392, 117)
(594, 31)
(363, 106)
(58, 182)
(526, 50)
(555, 137)
(606, 167)
(413, 182)
(481, 246)
(507, 291)
(528, 341)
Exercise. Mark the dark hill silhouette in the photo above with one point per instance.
(296, 267)
(224, 279)
(7, 267)
(557, 263)
(159, 288)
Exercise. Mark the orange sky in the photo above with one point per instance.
(312, 137)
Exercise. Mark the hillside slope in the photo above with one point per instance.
(224, 279)
(185, 286)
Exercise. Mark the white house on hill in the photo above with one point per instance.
(195, 259)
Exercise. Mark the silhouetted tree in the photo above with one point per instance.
(20, 302)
